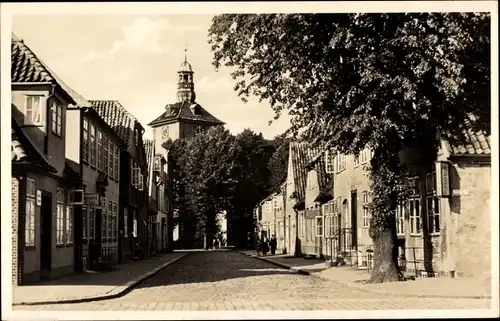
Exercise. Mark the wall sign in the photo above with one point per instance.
(38, 198)
(443, 179)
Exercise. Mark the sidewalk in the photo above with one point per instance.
(437, 287)
(92, 286)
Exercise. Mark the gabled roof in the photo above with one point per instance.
(476, 144)
(184, 111)
(299, 156)
(117, 117)
(23, 152)
(27, 68)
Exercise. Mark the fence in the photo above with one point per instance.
(107, 260)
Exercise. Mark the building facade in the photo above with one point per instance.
(133, 206)
(42, 179)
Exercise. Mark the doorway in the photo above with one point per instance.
(354, 218)
(46, 235)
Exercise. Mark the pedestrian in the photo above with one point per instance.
(273, 244)
(259, 247)
(265, 246)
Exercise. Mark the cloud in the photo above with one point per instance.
(209, 84)
(184, 29)
(142, 35)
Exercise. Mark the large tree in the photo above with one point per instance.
(250, 156)
(387, 82)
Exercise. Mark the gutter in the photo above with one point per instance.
(47, 109)
(31, 83)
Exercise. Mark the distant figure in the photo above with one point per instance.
(214, 244)
(259, 247)
(273, 244)
(265, 246)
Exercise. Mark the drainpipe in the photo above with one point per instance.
(47, 109)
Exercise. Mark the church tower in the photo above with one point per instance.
(185, 83)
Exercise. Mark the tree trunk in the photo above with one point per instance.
(385, 256)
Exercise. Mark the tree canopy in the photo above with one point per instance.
(383, 81)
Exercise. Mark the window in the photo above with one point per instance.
(84, 222)
(104, 226)
(330, 161)
(110, 220)
(356, 161)
(319, 226)
(432, 202)
(69, 224)
(33, 110)
(400, 220)
(57, 113)
(414, 206)
(111, 149)
(92, 145)
(125, 222)
(365, 155)
(135, 174)
(85, 140)
(340, 162)
(366, 210)
(140, 186)
(117, 163)
(29, 238)
(115, 221)
(99, 150)
(91, 224)
(60, 228)
(105, 145)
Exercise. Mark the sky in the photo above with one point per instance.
(134, 59)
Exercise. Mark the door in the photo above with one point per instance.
(354, 219)
(46, 235)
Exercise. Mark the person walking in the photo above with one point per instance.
(259, 247)
(273, 244)
(265, 247)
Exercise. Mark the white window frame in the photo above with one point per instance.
(110, 221)
(318, 227)
(57, 118)
(341, 163)
(105, 154)
(111, 158)
(31, 119)
(93, 145)
(100, 155)
(366, 210)
(69, 224)
(400, 220)
(91, 224)
(30, 221)
(414, 207)
(85, 222)
(60, 217)
(85, 140)
(117, 163)
(365, 155)
(432, 205)
(330, 161)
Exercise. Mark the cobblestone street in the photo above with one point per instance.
(225, 280)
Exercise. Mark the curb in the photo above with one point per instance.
(361, 288)
(117, 292)
(281, 265)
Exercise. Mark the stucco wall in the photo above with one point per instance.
(470, 211)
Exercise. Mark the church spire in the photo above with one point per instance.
(185, 84)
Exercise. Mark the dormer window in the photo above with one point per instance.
(33, 110)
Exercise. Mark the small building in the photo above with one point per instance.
(316, 186)
(96, 148)
(43, 181)
(133, 199)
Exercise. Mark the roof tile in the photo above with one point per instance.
(476, 143)
(184, 111)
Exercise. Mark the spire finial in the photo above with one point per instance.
(185, 53)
